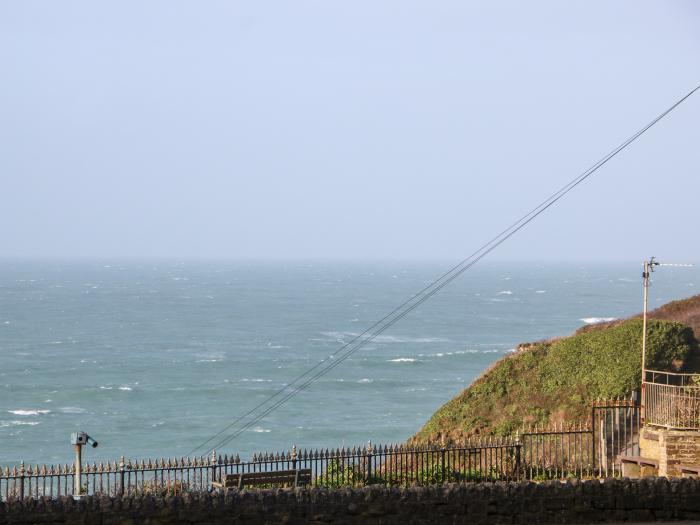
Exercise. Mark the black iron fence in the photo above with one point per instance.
(580, 451)
(585, 450)
(491, 460)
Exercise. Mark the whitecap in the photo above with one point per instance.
(21, 412)
(18, 423)
(341, 337)
(72, 410)
(540, 291)
(402, 360)
(505, 292)
(125, 388)
(260, 430)
(596, 320)
(246, 380)
(365, 380)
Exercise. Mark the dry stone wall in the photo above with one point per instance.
(488, 503)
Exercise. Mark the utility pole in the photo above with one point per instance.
(648, 268)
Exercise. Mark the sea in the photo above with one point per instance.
(153, 358)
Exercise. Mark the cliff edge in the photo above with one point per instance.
(555, 381)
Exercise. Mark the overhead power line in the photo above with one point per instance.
(327, 364)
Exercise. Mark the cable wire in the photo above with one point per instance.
(398, 313)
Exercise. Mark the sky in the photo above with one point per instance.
(346, 130)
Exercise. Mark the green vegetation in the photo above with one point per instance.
(430, 473)
(556, 381)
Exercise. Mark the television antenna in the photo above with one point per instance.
(648, 270)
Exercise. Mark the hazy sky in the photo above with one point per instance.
(358, 129)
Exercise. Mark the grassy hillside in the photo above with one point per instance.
(551, 382)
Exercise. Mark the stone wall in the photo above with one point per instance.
(671, 448)
(552, 502)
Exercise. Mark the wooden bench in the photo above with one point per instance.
(689, 471)
(638, 467)
(294, 478)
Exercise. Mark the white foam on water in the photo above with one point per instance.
(402, 360)
(505, 292)
(365, 380)
(596, 320)
(540, 291)
(260, 430)
(72, 410)
(246, 380)
(18, 423)
(341, 337)
(125, 388)
(22, 412)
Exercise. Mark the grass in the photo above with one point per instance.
(553, 382)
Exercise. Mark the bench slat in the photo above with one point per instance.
(639, 461)
(294, 477)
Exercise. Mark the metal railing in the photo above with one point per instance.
(488, 460)
(585, 450)
(671, 400)
(558, 452)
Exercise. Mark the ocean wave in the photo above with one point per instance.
(21, 412)
(596, 320)
(246, 380)
(125, 388)
(402, 360)
(72, 410)
(365, 380)
(505, 292)
(18, 423)
(343, 336)
(260, 430)
(540, 291)
(467, 351)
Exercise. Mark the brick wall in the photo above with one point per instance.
(552, 502)
(671, 448)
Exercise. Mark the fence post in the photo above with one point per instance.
(369, 462)
(214, 465)
(442, 458)
(21, 480)
(121, 475)
(518, 446)
(593, 440)
(294, 457)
